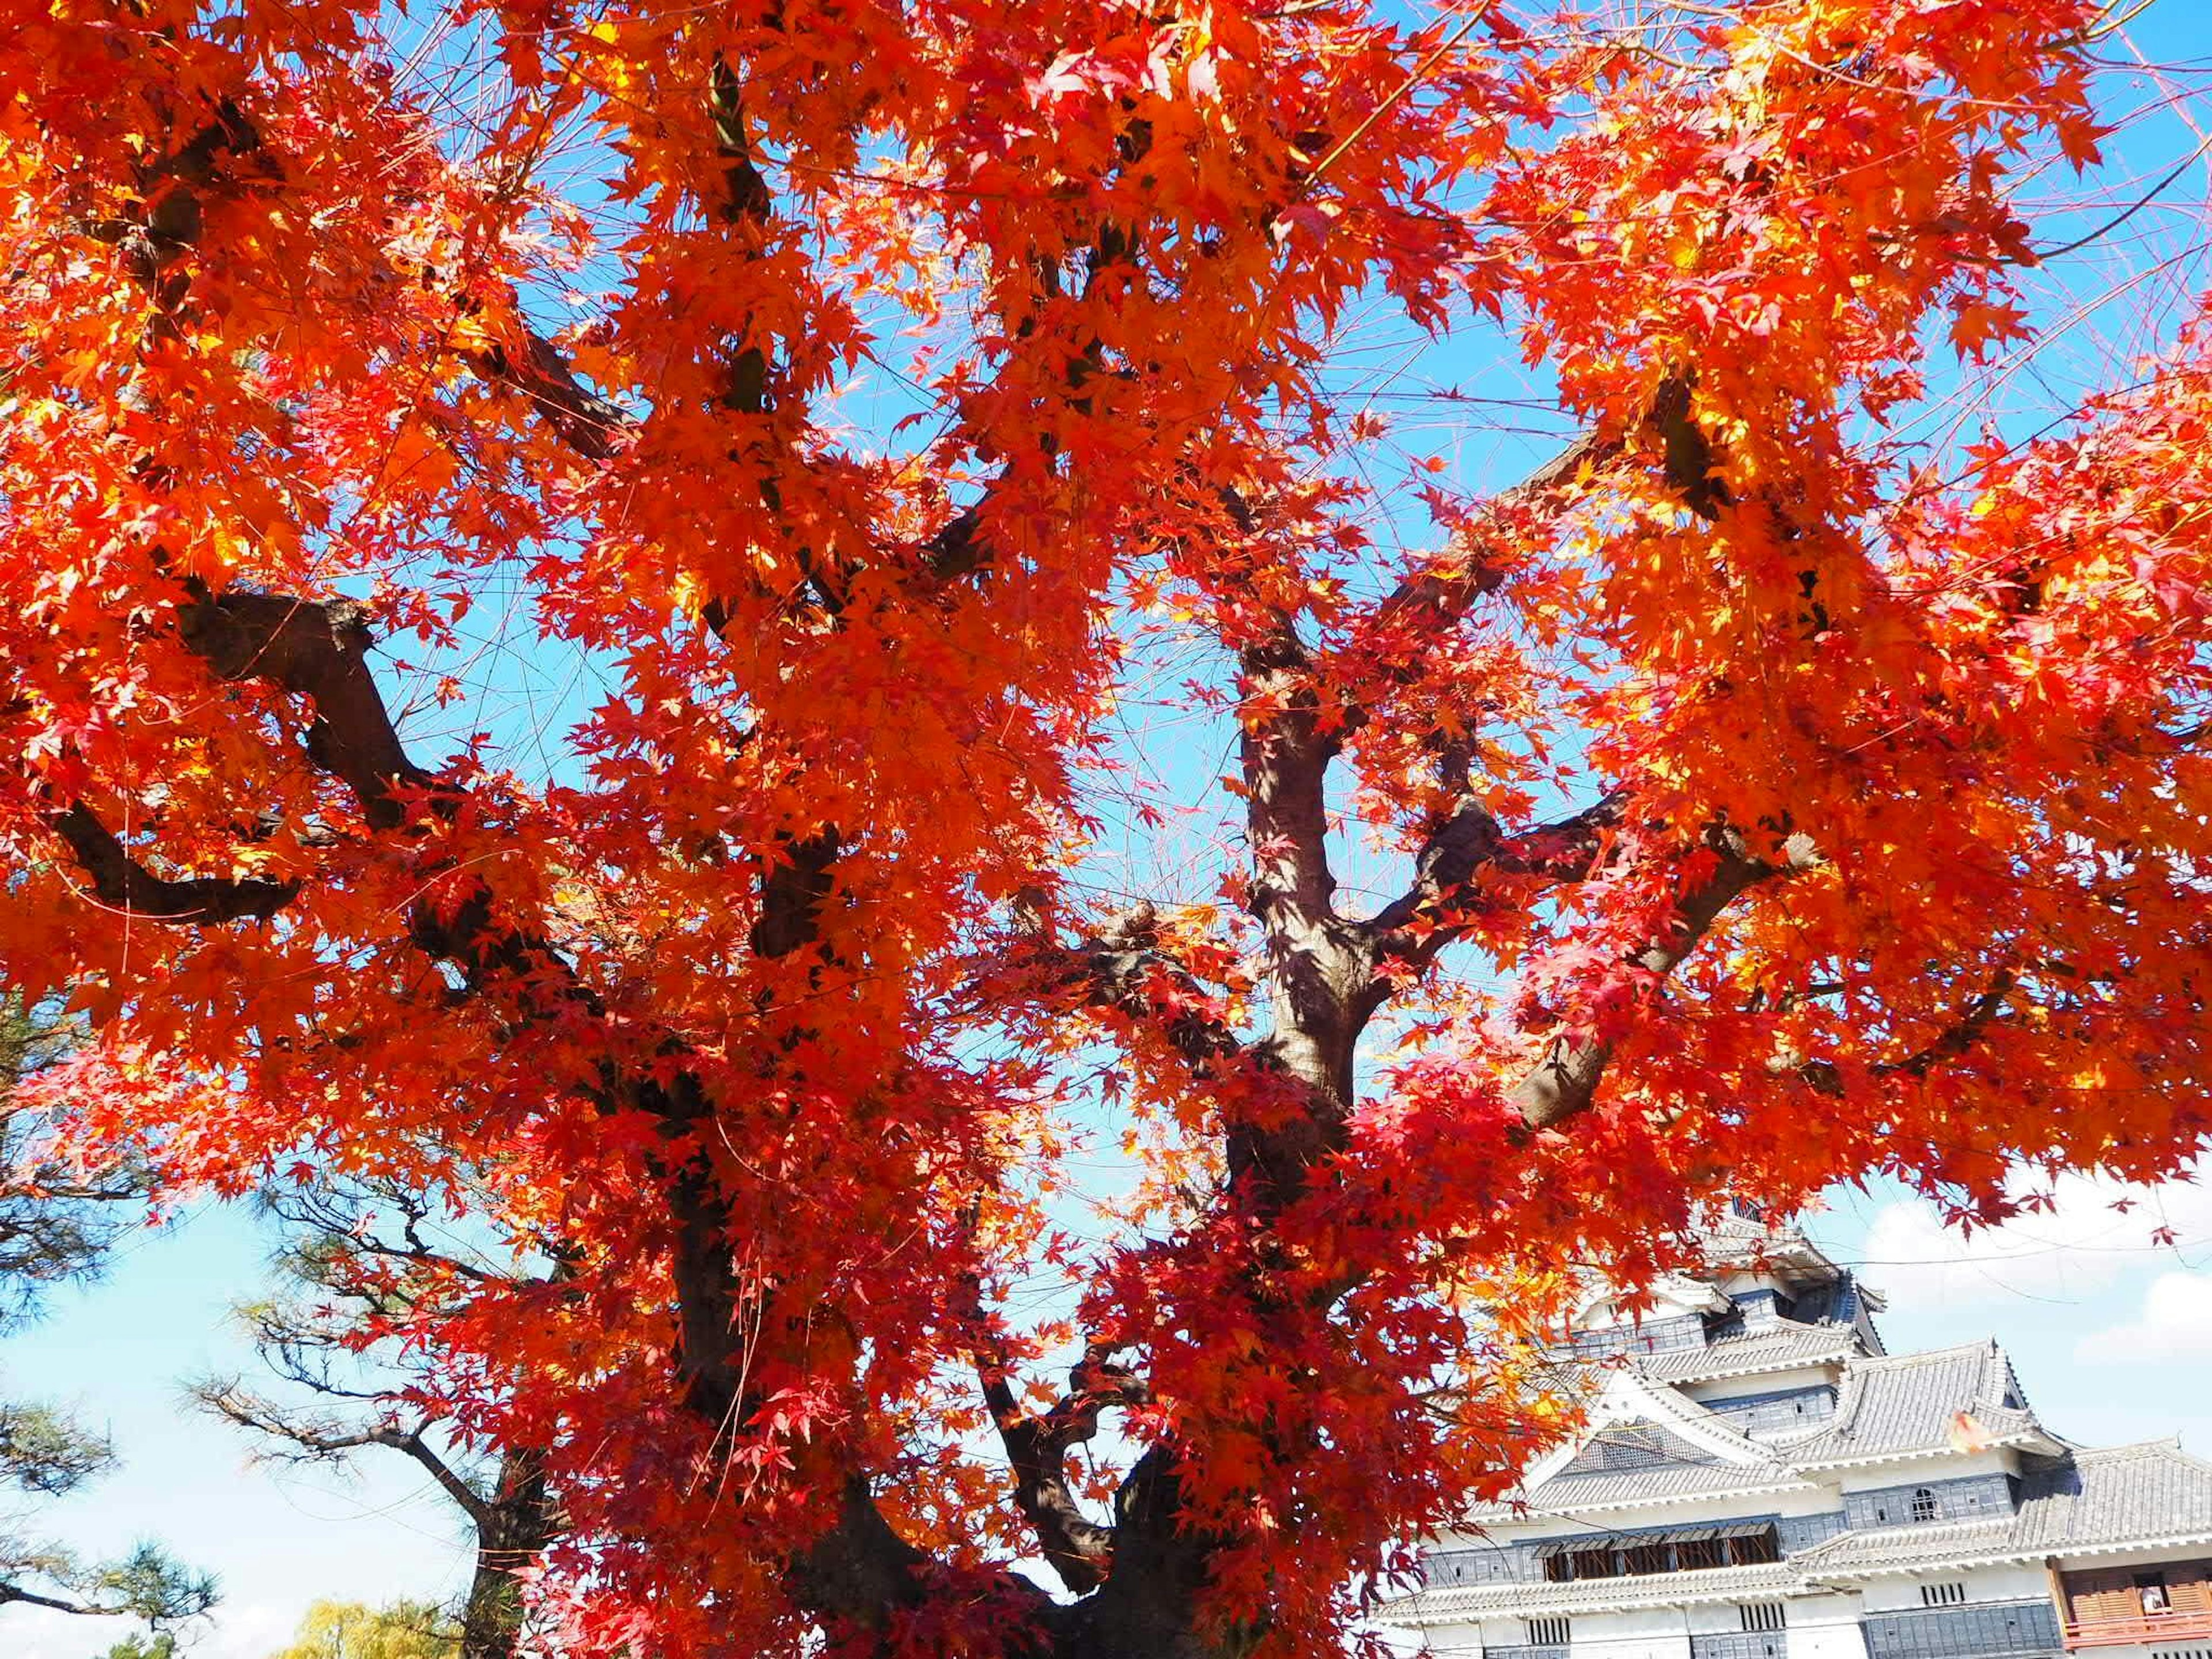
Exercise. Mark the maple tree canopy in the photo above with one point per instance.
(1775, 796)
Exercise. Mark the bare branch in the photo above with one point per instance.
(31, 1598)
(319, 1439)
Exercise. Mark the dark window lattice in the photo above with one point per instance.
(1741, 1544)
(1790, 1408)
(1740, 1644)
(1995, 1630)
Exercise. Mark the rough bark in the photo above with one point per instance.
(515, 1526)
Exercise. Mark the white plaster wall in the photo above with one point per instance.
(1446, 1641)
(1819, 1612)
(1658, 1633)
(2010, 1583)
(1922, 1471)
(1714, 1618)
(1839, 1641)
(1901, 1592)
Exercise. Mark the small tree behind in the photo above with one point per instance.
(352, 1630)
(55, 1225)
(366, 1261)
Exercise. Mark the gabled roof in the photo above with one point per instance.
(1657, 1445)
(2125, 1497)
(1648, 1443)
(1735, 1240)
(1910, 1405)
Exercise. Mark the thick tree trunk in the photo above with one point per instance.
(513, 1531)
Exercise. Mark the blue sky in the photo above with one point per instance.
(2112, 1334)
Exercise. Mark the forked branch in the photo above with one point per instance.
(1565, 1080)
(1079, 1550)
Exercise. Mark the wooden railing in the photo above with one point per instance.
(2175, 1627)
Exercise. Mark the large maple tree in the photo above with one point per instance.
(1776, 799)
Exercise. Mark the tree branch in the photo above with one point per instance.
(120, 881)
(31, 1598)
(1317, 963)
(1564, 1081)
(1963, 1033)
(591, 425)
(1125, 970)
(1079, 1550)
(1454, 866)
(1954, 1041)
(317, 649)
(325, 1440)
(1435, 598)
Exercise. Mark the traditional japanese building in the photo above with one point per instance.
(1760, 1480)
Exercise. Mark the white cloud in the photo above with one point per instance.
(250, 1631)
(2080, 1247)
(243, 1631)
(2176, 1325)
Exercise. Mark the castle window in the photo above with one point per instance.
(1943, 1595)
(1596, 1564)
(1696, 1554)
(1925, 1506)
(1751, 1549)
(1762, 1615)
(1548, 1632)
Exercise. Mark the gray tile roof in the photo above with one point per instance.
(2155, 1490)
(1777, 1348)
(1599, 1492)
(1902, 1405)
(1585, 1482)
(1887, 1547)
(2119, 1498)
(1910, 1403)
(1633, 1446)
(1669, 1589)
